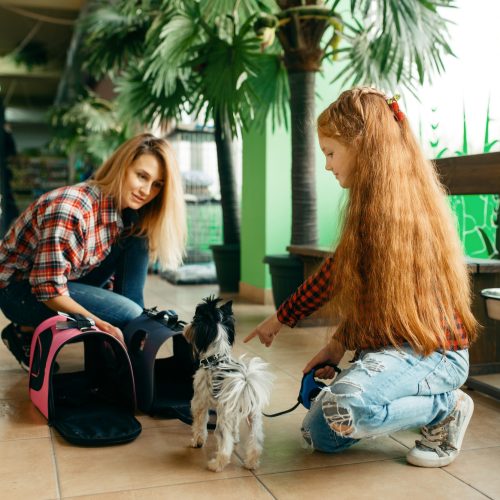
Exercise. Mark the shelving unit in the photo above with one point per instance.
(34, 175)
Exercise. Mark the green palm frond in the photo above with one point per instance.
(114, 33)
(177, 38)
(400, 43)
(89, 126)
(210, 9)
(270, 90)
(138, 102)
(224, 68)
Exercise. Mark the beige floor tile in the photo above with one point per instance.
(158, 457)
(386, 479)
(19, 419)
(149, 422)
(27, 470)
(284, 394)
(475, 467)
(245, 488)
(14, 384)
(7, 360)
(284, 450)
(292, 340)
(159, 463)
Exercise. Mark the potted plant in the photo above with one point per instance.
(188, 57)
(382, 52)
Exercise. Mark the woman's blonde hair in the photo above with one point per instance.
(399, 272)
(163, 220)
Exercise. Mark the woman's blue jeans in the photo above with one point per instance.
(127, 261)
(383, 392)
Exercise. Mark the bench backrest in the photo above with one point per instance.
(473, 174)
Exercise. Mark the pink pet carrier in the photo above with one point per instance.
(93, 406)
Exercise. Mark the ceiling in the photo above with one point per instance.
(46, 23)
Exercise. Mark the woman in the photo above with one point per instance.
(399, 284)
(66, 246)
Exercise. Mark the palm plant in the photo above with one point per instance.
(187, 56)
(89, 126)
(201, 56)
(398, 44)
(193, 57)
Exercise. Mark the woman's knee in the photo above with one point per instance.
(127, 311)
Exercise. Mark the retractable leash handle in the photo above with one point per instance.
(309, 389)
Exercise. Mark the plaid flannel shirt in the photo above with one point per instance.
(317, 290)
(61, 236)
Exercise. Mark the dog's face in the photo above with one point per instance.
(204, 330)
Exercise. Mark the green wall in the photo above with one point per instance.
(266, 192)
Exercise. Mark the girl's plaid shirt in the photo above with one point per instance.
(61, 236)
(315, 293)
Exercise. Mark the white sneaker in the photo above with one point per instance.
(442, 442)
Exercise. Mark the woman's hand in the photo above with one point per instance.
(266, 331)
(109, 328)
(331, 353)
(66, 304)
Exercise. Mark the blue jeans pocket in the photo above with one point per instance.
(443, 378)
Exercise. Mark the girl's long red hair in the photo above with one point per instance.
(399, 270)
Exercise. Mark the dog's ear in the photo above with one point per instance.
(227, 308)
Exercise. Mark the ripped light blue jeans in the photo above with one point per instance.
(383, 392)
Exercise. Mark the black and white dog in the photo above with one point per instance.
(235, 388)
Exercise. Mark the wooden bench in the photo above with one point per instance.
(474, 174)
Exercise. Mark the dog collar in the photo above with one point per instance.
(211, 361)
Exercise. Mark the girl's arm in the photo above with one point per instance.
(66, 304)
(331, 353)
(309, 297)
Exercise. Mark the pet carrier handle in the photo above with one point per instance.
(76, 320)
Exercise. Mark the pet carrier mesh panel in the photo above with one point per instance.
(164, 385)
(91, 407)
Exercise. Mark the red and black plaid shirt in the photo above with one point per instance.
(316, 291)
(61, 236)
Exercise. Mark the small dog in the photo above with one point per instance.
(234, 388)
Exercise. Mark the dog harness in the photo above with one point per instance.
(213, 361)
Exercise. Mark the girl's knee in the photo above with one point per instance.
(318, 436)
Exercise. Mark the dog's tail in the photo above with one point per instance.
(246, 390)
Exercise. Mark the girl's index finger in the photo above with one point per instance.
(249, 337)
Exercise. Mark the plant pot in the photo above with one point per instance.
(287, 274)
(227, 266)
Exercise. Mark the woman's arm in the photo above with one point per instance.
(66, 304)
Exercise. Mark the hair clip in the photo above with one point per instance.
(393, 104)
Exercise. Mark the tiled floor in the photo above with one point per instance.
(35, 463)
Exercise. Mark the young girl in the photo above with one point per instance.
(398, 282)
(64, 248)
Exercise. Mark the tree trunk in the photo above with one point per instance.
(227, 176)
(304, 219)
